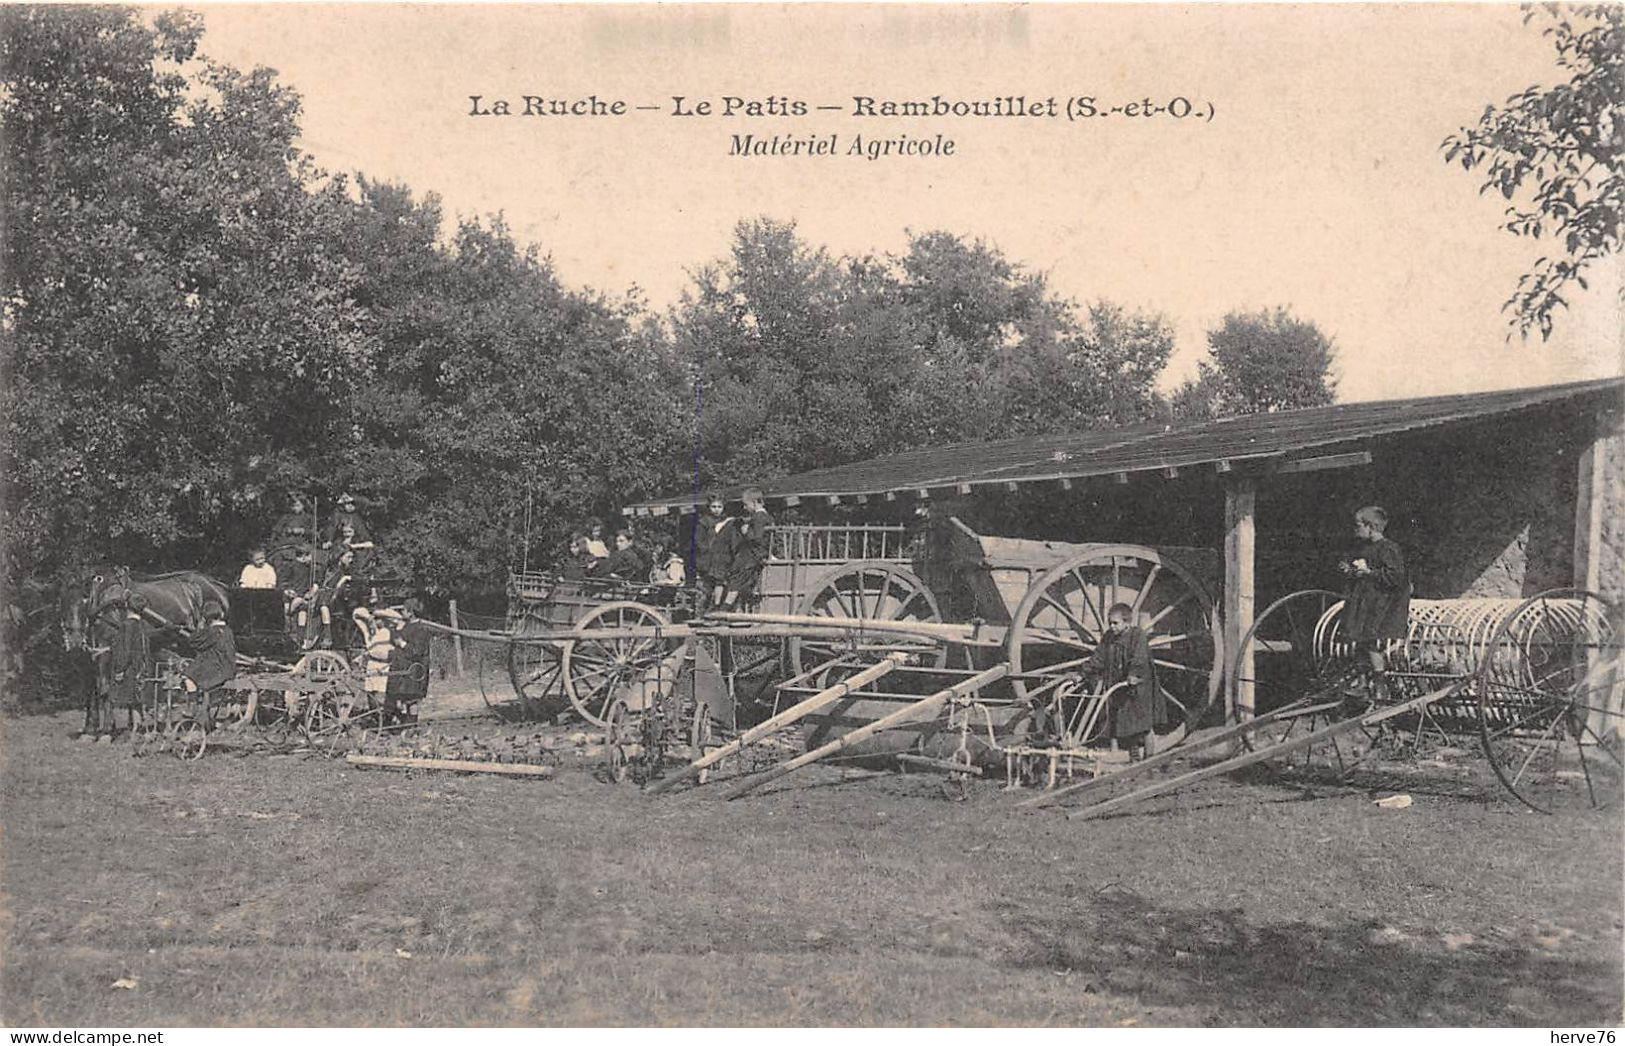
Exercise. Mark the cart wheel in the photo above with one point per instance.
(618, 730)
(1551, 700)
(603, 660)
(1294, 657)
(330, 713)
(536, 672)
(1060, 620)
(871, 592)
(191, 740)
(699, 737)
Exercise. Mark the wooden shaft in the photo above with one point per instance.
(946, 765)
(796, 711)
(1259, 756)
(957, 633)
(907, 712)
(1192, 744)
(512, 769)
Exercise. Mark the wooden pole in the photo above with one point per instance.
(1191, 745)
(1262, 754)
(902, 715)
(799, 710)
(955, 633)
(410, 763)
(1240, 503)
(456, 639)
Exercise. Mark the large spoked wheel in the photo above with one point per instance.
(603, 660)
(869, 592)
(1291, 656)
(536, 671)
(1060, 621)
(1551, 700)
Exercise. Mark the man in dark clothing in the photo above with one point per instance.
(131, 657)
(1377, 606)
(294, 533)
(1124, 656)
(409, 667)
(343, 516)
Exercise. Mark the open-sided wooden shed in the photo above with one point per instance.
(1491, 494)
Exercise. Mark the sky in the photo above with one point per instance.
(1318, 183)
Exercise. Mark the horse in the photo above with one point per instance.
(92, 602)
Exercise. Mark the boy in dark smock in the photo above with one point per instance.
(409, 666)
(214, 655)
(714, 539)
(1124, 656)
(1377, 605)
(749, 553)
(627, 562)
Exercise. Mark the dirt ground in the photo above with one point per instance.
(294, 890)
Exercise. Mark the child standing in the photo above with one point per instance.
(409, 665)
(714, 539)
(1378, 600)
(1124, 656)
(749, 554)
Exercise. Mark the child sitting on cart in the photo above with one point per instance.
(627, 562)
(1124, 657)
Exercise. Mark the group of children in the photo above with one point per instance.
(727, 553)
(317, 572)
(730, 551)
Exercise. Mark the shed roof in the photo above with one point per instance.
(1151, 446)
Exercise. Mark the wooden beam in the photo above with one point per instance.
(799, 710)
(1329, 461)
(412, 763)
(1240, 534)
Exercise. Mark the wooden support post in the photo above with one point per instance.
(1590, 502)
(919, 708)
(456, 639)
(1240, 504)
(799, 710)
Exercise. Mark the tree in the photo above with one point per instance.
(1559, 151)
(176, 329)
(1259, 362)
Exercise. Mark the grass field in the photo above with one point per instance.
(293, 891)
